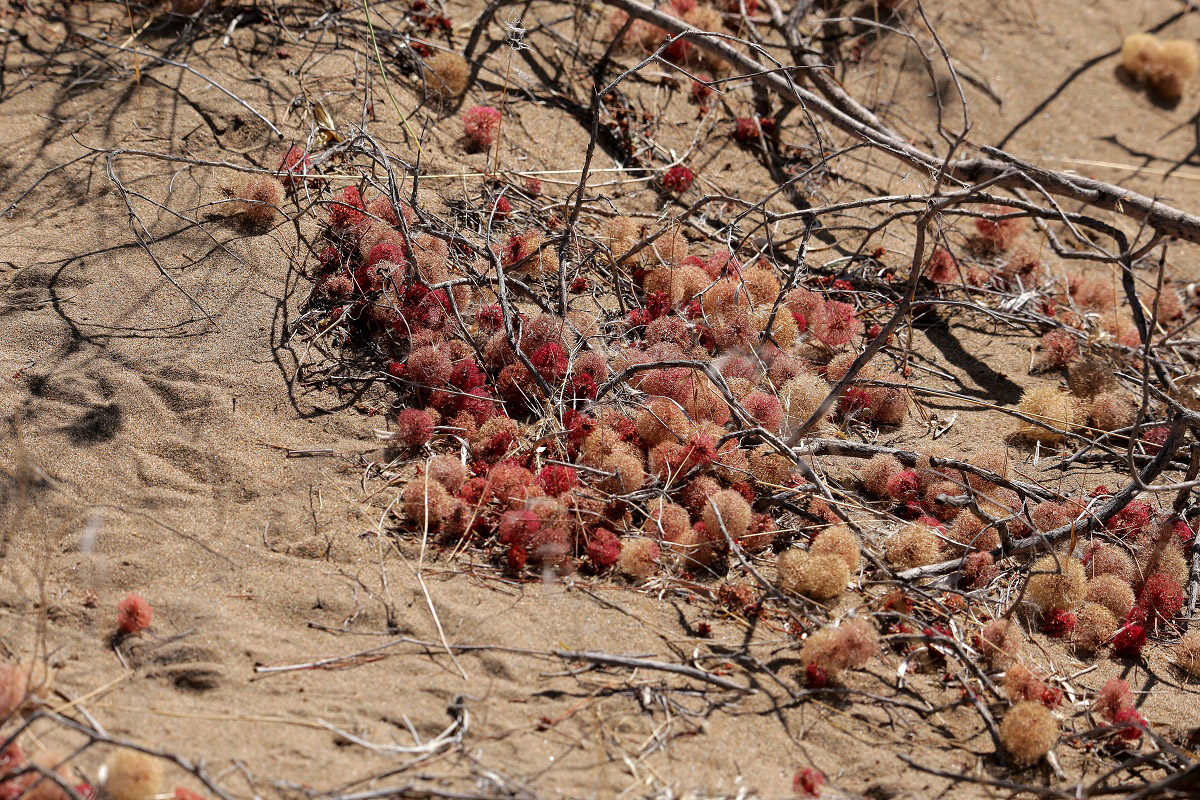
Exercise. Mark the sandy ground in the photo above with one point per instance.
(150, 408)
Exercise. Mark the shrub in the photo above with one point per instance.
(1028, 731)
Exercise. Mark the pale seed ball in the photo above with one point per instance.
(1028, 731)
(1108, 559)
(801, 396)
(819, 577)
(1090, 378)
(848, 646)
(995, 460)
(925, 470)
(1047, 516)
(1111, 410)
(840, 364)
(1002, 641)
(449, 73)
(877, 471)
(914, 545)
(639, 558)
(944, 511)
(971, 532)
(1112, 592)
(1171, 562)
(733, 510)
(1137, 51)
(1057, 592)
(1187, 652)
(1174, 65)
(1094, 627)
(1048, 405)
(783, 328)
(768, 466)
(671, 518)
(133, 775)
(840, 541)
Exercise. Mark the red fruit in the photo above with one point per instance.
(1059, 623)
(348, 209)
(1161, 597)
(480, 125)
(414, 428)
(187, 794)
(1131, 520)
(490, 318)
(854, 402)
(516, 558)
(133, 614)
(1129, 723)
(558, 479)
(517, 527)
(533, 186)
(502, 208)
(701, 91)
(550, 361)
(904, 486)
(603, 548)
(1129, 641)
(294, 165)
(386, 251)
(1154, 438)
(808, 781)
(678, 179)
(746, 130)
(815, 677)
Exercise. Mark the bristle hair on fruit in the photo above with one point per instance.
(132, 775)
(1027, 732)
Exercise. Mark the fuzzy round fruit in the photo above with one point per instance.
(1054, 589)
(819, 577)
(1027, 732)
(914, 545)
